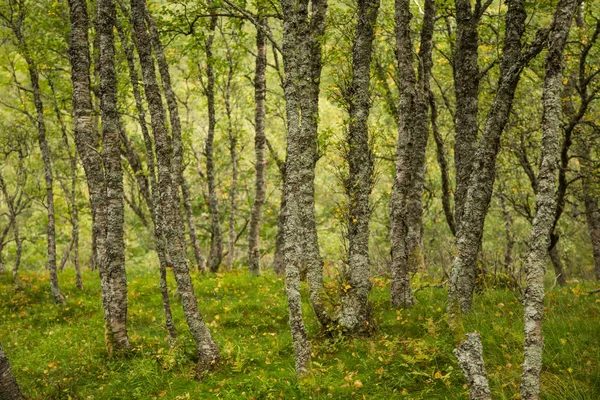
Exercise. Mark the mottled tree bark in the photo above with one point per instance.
(470, 359)
(114, 262)
(151, 194)
(260, 184)
(303, 27)
(466, 91)
(9, 389)
(535, 266)
(216, 238)
(173, 108)
(354, 312)
(462, 277)
(406, 207)
(86, 140)
(171, 218)
(560, 200)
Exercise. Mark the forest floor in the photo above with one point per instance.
(58, 352)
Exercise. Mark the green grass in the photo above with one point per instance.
(58, 352)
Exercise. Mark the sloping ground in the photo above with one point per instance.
(58, 353)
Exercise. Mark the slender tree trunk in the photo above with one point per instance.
(462, 277)
(278, 258)
(535, 267)
(73, 248)
(171, 218)
(508, 227)
(9, 390)
(189, 213)
(114, 262)
(151, 195)
(557, 264)
(234, 171)
(406, 207)
(443, 164)
(302, 64)
(45, 151)
(216, 239)
(592, 212)
(10, 202)
(354, 313)
(174, 118)
(260, 185)
(466, 91)
(18, 252)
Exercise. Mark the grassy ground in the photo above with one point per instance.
(58, 352)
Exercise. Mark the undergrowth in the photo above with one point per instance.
(58, 352)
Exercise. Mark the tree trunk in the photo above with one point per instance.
(260, 185)
(86, 139)
(406, 207)
(171, 218)
(302, 65)
(592, 212)
(443, 164)
(114, 262)
(45, 151)
(278, 257)
(151, 195)
(559, 270)
(12, 222)
(234, 165)
(508, 227)
(535, 266)
(173, 108)
(466, 91)
(216, 239)
(189, 213)
(9, 390)
(73, 247)
(470, 359)
(462, 277)
(354, 312)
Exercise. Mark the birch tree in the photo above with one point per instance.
(406, 207)
(535, 267)
(354, 312)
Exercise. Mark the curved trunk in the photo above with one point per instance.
(170, 212)
(481, 184)
(150, 194)
(545, 200)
